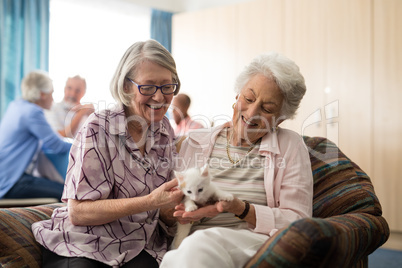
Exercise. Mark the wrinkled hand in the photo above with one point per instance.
(209, 211)
(167, 195)
(229, 206)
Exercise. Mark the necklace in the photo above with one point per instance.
(228, 152)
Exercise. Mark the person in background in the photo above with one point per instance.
(265, 167)
(24, 135)
(184, 124)
(67, 116)
(120, 172)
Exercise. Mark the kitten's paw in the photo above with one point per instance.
(191, 208)
(226, 197)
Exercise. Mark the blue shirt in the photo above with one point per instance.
(22, 129)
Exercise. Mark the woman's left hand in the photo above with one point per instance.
(207, 211)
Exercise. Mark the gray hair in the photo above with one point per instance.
(78, 77)
(34, 83)
(286, 75)
(139, 52)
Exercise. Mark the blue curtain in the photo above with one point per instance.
(161, 28)
(24, 39)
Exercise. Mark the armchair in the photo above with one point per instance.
(346, 225)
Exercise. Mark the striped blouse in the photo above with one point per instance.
(245, 179)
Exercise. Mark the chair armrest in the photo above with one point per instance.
(18, 247)
(338, 241)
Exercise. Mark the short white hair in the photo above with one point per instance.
(286, 75)
(34, 83)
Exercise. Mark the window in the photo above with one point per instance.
(89, 38)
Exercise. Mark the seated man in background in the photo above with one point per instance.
(67, 116)
(184, 124)
(25, 136)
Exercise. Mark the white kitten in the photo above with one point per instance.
(198, 190)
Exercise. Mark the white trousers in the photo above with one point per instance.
(215, 247)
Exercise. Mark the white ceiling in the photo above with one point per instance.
(184, 5)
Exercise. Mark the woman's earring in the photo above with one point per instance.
(233, 105)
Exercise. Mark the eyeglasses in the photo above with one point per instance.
(148, 90)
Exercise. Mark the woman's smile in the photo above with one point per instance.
(248, 123)
(155, 106)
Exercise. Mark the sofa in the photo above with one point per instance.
(345, 228)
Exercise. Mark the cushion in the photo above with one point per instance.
(18, 246)
(340, 186)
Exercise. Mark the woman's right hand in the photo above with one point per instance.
(167, 195)
(97, 212)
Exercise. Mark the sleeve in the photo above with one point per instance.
(173, 140)
(40, 128)
(291, 187)
(90, 172)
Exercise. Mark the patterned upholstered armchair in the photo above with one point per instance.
(347, 225)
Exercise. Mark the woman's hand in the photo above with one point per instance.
(166, 195)
(235, 206)
(185, 217)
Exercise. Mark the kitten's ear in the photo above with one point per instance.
(180, 178)
(205, 170)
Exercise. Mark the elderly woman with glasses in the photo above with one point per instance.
(265, 167)
(120, 172)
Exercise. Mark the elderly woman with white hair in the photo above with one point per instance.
(24, 135)
(265, 167)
